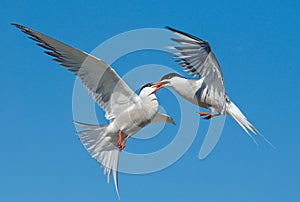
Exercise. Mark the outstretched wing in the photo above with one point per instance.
(197, 59)
(103, 83)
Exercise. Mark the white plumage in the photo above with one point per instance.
(126, 111)
(197, 59)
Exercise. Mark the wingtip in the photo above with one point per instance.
(23, 28)
(178, 32)
(17, 25)
(171, 120)
(76, 122)
(168, 27)
(171, 29)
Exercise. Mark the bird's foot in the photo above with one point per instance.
(208, 115)
(119, 143)
(122, 146)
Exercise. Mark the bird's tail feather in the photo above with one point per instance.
(239, 117)
(100, 146)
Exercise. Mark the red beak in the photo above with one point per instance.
(158, 85)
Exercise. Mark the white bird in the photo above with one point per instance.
(126, 111)
(197, 59)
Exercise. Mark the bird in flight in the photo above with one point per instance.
(126, 111)
(197, 59)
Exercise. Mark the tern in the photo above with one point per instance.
(197, 59)
(126, 111)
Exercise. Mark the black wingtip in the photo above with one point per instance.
(173, 122)
(17, 25)
(172, 29)
(21, 27)
(184, 33)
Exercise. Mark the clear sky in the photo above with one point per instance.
(257, 45)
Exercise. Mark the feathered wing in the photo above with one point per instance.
(106, 87)
(197, 59)
(101, 148)
(103, 83)
(162, 118)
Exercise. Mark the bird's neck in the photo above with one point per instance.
(184, 87)
(150, 103)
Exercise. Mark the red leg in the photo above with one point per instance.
(203, 113)
(208, 115)
(120, 138)
(124, 144)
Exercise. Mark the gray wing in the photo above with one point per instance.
(197, 59)
(103, 83)
(162, 118)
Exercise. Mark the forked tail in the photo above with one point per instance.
(101, 148)
(238, 116)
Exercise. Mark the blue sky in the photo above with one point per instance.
(256, 44)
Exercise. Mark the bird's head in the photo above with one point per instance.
(168, 80)
(149, 89)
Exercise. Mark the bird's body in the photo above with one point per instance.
(196, 57)
(196, 92)
(126, 111)
(135, 117)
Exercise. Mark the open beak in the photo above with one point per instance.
(158, 85)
